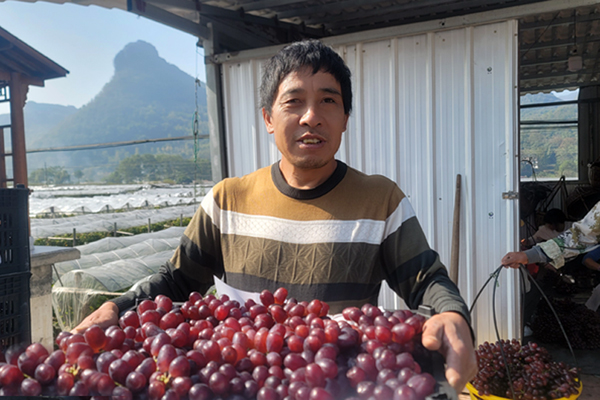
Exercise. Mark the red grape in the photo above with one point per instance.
(95, 337)
(200, 391)
(135, 381)
(31, 387)
(45, 373)
(180, 366)
(118, 371)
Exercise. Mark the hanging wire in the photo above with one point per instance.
(522, 268)
(500, 344)
(195, 129)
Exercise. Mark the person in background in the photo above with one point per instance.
(554, 225)
(310, 223)
(583, 237)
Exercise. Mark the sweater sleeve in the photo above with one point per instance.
(414, 270)
(195, 261)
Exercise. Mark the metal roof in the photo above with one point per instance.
(18, 57)
(546, 42)
(546, 39)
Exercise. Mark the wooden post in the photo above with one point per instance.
(180, 219)
(455, 250)
(149, 225)
(74, 237)
(19, 155)
(115, 231)
(2, 160)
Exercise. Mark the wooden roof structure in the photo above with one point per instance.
(20, 66)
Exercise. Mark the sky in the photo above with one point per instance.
(84, 40)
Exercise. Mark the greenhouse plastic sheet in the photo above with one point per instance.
(117, 275)
(142, 249)
(46, 227)
(74, 199)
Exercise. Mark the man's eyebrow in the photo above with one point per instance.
(331, 90)
(293, 91)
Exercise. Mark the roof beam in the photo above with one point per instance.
(324, 8)
(558, 43)
(142, 8)
(248, 37)
(211, 11)
(532, 77)
(526, 26)
(264, 4)
(554, 86)
(448, 9)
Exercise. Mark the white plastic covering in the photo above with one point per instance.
(105, 222)
(123, 250)
(84, 198)
(427, 107)
(117, 275)
(106, 268)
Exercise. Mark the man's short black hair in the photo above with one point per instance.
(555, 216)
(298, 55)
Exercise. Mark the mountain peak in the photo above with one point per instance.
(136, 55)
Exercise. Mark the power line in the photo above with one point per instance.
(113, 144)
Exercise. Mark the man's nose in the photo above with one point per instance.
(311, 116)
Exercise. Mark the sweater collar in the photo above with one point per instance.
(308, 194)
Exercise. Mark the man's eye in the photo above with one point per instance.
(329, 100)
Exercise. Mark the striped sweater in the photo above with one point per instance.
(336, 243)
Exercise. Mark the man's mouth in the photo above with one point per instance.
(310, 141)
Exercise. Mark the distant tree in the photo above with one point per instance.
(78, 174)
(568, 168)
(161, 167)
(49, 176)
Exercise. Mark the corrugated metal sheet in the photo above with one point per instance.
(427, 107)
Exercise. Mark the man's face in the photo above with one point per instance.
(307, 118)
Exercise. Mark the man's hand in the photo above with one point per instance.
(105, 316)
(449, 334)
(514, 259)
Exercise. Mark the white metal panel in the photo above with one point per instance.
(249, 146)
(426, 107)
(495, 171)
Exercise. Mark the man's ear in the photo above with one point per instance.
(268, 120)
(346, 122)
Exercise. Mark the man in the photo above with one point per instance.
(311, 224)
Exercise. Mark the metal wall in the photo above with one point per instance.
(427, 107)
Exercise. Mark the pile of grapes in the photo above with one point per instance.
(533, 373)
(581, 324)
(211, 348)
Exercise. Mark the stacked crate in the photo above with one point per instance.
(15, 324)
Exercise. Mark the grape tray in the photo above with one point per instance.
(14, 232)
(476, 396)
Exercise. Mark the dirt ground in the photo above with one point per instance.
(591, 388)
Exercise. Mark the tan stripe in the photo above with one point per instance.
(354, 198)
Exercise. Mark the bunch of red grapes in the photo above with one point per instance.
(532, 372)
(582, 325)
(211, 348)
